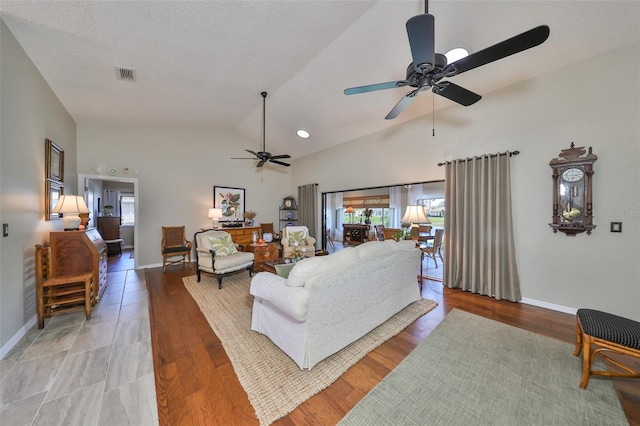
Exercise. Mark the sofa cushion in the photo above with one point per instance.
(284, 269)
(307, 268)
(372, 247)
(223, 246)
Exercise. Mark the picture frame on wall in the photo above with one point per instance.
(53, 190)
(54, 161)
(231, 201)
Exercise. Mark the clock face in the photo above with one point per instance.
(573, 175)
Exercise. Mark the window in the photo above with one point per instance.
(127, 209)
(379, 216)
(434, 207)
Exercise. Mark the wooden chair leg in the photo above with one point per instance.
(87, 298)
(586, 362)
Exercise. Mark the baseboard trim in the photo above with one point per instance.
(16, 337)
(547, 305)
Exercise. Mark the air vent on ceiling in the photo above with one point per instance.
(128, 74)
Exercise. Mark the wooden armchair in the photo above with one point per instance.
(174, 244)
(390, 233)
(57, 294)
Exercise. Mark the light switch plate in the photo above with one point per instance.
(5, 229)
(616, 226)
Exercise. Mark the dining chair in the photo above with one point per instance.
(433, 247)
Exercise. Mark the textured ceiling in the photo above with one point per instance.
(205, 63)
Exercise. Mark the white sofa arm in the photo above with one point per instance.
(293, 301)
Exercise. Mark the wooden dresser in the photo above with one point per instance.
(241, 235)
(77, 252)
(262, 254)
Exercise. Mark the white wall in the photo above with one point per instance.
(592, 103)
(177, 169)
(29, 113)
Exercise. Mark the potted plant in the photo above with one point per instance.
(108, 210)
(249, 217)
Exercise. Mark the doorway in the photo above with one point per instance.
(91, 187)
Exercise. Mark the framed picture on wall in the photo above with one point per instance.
(230, 201)
(54, 161)
(52, 192)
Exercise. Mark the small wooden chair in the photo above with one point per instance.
(611, 333)
(174, 244)
(57, 294)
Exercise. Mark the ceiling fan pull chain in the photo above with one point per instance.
(433, 114)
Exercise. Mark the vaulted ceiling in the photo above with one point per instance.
(205, 63)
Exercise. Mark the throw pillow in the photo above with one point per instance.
(223, 246)
(283, 270)
(297, 237)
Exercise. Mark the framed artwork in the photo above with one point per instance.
(230, 201)
(54, 161)
(52, 192)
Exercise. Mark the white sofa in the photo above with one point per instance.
(328, 302)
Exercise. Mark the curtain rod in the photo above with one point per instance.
(511, 154)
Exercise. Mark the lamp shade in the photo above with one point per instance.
(415, 214)
(349, 210)
(71, 206)
(215, 213)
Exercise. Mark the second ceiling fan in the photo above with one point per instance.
(429, 68)
(264, 156)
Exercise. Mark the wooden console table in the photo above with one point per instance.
(355, 233)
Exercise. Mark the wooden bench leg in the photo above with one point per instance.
(586, 361)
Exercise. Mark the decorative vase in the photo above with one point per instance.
(367, 221)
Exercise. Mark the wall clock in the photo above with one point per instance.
(572, 194)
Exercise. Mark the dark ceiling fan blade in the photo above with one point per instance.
(456, 93)
(400, 106)
(421, 30)
(524, 41)
(280, 156)
(251, 152)
(261, 163)
(279, 162)
(374, 87)
(242, 158)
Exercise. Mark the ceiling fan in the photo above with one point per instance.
(264, 156)
(429, 68)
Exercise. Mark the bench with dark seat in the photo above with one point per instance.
(610, 333)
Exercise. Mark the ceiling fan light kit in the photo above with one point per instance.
(264, 156)
(429, 68)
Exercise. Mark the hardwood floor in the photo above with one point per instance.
(196, 383)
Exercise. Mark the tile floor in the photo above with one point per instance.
(78, 372)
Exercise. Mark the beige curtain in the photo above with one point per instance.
(479, 247)
(307, 211)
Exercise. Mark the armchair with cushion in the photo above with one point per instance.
(297, 237)
(217, 254)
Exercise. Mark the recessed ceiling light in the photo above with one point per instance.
(303, 134)
(456, 53)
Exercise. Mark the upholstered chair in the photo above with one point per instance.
(297, 237)
(217, 254)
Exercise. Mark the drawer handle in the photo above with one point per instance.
(266, 253)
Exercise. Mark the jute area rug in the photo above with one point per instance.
(475, 371)
(273, 382)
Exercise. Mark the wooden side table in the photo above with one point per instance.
(263, 253)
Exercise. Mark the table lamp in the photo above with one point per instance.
(351, 211)
(415, 215)
(71, 206)
(214, 215)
